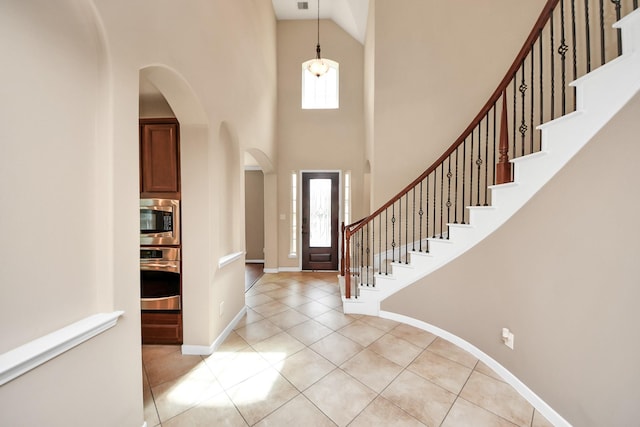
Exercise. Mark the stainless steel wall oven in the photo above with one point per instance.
(160, 278)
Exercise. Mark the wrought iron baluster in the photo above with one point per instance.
(494, 144)
(553, 69)
(587, 34)
(427, 212)
(420, 213)
(523, 125)
(464, 183)
(449, 176)
(573, 38)
(435, 202)
(406, 228)
(471, 163)
(393, 232)
(618, 31)
(479, 163)
(413, 217)
(386, 239)
(562, 50)
(532, 81)
(602, 34)
(514, 116)
(367, 252)
(441, 198)
(486, 157)
(400, 230)
(455, 212)
(541, 81)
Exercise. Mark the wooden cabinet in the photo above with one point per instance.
(161, 328)
(159, 159)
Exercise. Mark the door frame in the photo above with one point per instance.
(299, 211)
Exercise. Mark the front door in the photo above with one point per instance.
(320, 210)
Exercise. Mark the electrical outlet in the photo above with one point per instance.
(507, 337)
(221, 308)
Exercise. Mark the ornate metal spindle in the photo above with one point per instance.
(486, 159)
(413, 218)
(386, 239)
(435, 202)
(464, 183)
(367, 252)
(427, 212)
(455, 211)
(347, 266)
(602, 41)
(515, 103)
(540, 85)
(553, 69)
(494, 145)
(532, 81)
(449, 176)
(523, 125)
(587, 34)
(441, 198)
(380, 244)
(406, 228)
(420, 213)
(562, 50)
(479, 163)
(617, 5)
(373, 254)
(393, 232)
(471, 163)
(574, 48)
(400, 230)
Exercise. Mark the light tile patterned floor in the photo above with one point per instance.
(296, 360)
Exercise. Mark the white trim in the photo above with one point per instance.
(228, 259)
(254, 261)
(288, 269)
(203, 350)
(541, 406)
(271, 270)
(144, 424)
(22, 359)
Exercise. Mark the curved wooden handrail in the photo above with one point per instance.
(522, 54)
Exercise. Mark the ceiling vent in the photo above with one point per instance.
(303, 5)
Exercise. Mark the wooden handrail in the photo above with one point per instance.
(524, 51)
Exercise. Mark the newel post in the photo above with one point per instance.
(347, 265)
(503, 168)
(342, 249)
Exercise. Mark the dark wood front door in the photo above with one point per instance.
(320, 210)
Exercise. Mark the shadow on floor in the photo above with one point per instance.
(252, 272)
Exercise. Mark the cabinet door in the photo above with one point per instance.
(159, 158)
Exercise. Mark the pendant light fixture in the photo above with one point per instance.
(318, 66)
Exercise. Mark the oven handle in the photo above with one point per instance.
(172, 267)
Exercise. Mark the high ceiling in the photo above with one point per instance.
(350, 15)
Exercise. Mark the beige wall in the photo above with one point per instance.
(564, 278)
(254, 214)
(317, 139)
(70, 100)
(436, 64)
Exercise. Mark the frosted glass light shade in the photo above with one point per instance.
(318, 67)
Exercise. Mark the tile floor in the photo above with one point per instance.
(296, 360)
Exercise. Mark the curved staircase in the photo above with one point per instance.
(373, 275)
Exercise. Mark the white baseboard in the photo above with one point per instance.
(289, 269)
(254, 261)
(541, 406)
(204, 350)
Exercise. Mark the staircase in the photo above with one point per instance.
(374, 271)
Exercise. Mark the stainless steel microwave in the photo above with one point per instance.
(159, 222)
